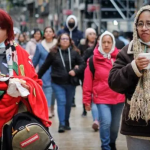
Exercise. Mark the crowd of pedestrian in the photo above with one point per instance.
(110, 71)
(63, 61)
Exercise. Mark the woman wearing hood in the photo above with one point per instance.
(132, 71)
(71, 28)
(109, 103)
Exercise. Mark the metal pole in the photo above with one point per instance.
(100, 15)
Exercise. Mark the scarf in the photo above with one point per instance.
(12, 58)
(140, 101)
(12, 62)
(49, 45)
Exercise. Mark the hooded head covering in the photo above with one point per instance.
(140, 101)
(76, 23)
(137, 43)
(88, 31)
(106, 55)
(75, 19)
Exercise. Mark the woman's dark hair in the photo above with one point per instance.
(51, 29)
(34, 32)
(6, 23)
(71, 44)
(98, 36)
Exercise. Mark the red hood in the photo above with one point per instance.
(98, 55)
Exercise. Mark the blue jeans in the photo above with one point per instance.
(53, 99)
(48, 93)
(94, 112)
(137, 144)
(109, 123)
(64, 95)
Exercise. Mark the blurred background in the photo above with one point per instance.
(99, 14)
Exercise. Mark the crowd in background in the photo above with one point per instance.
(63, 60)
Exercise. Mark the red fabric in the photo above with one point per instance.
(38, 103)
(98, 87)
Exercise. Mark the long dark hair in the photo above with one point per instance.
(55, 49)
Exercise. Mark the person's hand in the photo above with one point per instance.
(25, 86)
(1, 76)
(142, 62)
(23, 83)
(72, 73)
(76, 67)
(87, 107)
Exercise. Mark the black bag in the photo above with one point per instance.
(91, 65)
(74, 80)
(26, 132)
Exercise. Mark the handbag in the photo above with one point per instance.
(74, 80)
(25, 132)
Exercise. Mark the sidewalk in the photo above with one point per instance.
(81, 136)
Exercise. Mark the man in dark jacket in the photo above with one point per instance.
(71, 28)
(119, 44)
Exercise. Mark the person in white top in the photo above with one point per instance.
(31, 45)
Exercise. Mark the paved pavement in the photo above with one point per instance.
(81, 136)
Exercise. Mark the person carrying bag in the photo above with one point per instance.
(66, 64)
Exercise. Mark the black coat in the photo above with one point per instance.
(83, 48)
(119, 44)
(123, 79)
(77, 35)
(88, 53)
(60, 74)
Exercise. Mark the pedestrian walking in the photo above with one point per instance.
(22, 40)
(71, 28)
(96, 88)
(87, 54)
(88, 41)
(119, 44)
(41, 52)
(16, 66)
(130, 75)
(86, 44)
(66, 64)
(35, 38)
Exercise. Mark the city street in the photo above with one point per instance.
(81, 136)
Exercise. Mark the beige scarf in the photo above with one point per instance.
(140, 101)
(49, 45)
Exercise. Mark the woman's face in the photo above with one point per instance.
(64, 41)
(49, 34)
(107, 43)
(21, 38)
(3, 35)
(91, 37)
(37, 36)
(143, 26)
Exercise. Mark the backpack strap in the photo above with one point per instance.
(91, 65)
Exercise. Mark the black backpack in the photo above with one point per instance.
(91, 65)
(26, 132)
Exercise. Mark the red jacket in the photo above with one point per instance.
(36, 103)
(98, 87)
